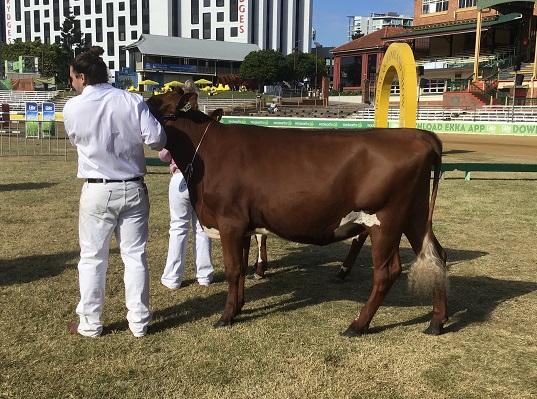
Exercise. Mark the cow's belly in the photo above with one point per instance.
(350, 226)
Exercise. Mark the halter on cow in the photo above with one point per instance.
(315, 187)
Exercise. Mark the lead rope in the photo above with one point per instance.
(189, 168)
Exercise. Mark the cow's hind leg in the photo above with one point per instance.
(354, 251)
(387, 268)
(428, 274)
(232, 251)
(261, 263)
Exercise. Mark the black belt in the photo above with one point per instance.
(139, 178)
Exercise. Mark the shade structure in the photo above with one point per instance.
(203, 82)
(148, 82)
(174, 83)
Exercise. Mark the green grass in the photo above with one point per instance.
(286, 343)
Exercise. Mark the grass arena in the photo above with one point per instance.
(286, 343)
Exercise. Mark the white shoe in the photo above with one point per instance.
(204, 283)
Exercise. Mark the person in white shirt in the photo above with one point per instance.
(109, 127)
(181, 215)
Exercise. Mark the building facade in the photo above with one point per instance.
(377, 21)
(282, 25)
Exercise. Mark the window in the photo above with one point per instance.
(234, 10)
(99, 30)
(194, 12)
(18, 10)
(37, 23)
(87, 7)
(195, 34)
(88, 23)
(434, 86)
(47, 13)
(467, 3)
(432, 6)
(134, 35)
(46, 29)
(219, 17)
(220, 3)
(76, 10)
(87, 40)
(98, 6)
(133, 12)
(206, 3)
(109, 15)
(111, 65)
(234, 32)
(220, 34)
(206, 25)
(121, 28)
(122, 6)
(110, 46)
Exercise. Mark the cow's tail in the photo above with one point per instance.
(428, 272)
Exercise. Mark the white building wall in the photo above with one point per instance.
(278, 30)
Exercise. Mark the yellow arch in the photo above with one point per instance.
(398, 60)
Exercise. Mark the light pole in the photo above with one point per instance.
(317, 45)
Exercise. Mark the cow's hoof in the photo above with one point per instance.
(349, 332)
(434, 330)
(338, 280)
(255, 276)
(222, 323)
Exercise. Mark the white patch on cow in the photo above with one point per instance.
(212, 232)
(360, 218)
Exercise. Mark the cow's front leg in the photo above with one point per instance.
(244, 266)
(232, 250)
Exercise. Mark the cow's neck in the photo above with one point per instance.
(185, 140)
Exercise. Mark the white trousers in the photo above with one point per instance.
(181, 213)
(123, 209)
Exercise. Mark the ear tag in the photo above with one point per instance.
(186, 108)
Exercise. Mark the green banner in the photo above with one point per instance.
(526, 129)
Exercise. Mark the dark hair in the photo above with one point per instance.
(91, 65)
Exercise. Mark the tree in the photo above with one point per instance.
(53, 59)
(303, 68)
(71, 38)
(264, 67)
(357, 35)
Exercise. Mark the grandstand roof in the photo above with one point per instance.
(168, 46)
(491, 3)
(372, 41)
(450, 28)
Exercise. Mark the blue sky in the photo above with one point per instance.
(331, 22)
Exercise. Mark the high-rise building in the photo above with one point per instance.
(282, 25)
(377, 21)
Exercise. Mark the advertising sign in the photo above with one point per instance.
(31, 116)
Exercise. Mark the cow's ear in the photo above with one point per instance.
(188, 101)
(217, 114)
(179, 90)
(154, 103)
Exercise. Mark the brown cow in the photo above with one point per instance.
(316, 187)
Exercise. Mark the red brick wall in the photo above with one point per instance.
(454, 13)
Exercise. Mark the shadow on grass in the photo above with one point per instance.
(25, 186)
(32, 268)
(307, 274)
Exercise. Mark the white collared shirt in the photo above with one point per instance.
(108, 127)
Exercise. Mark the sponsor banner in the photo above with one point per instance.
(49, 120)
(314, 123)
(31, 115)
(527, 129)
